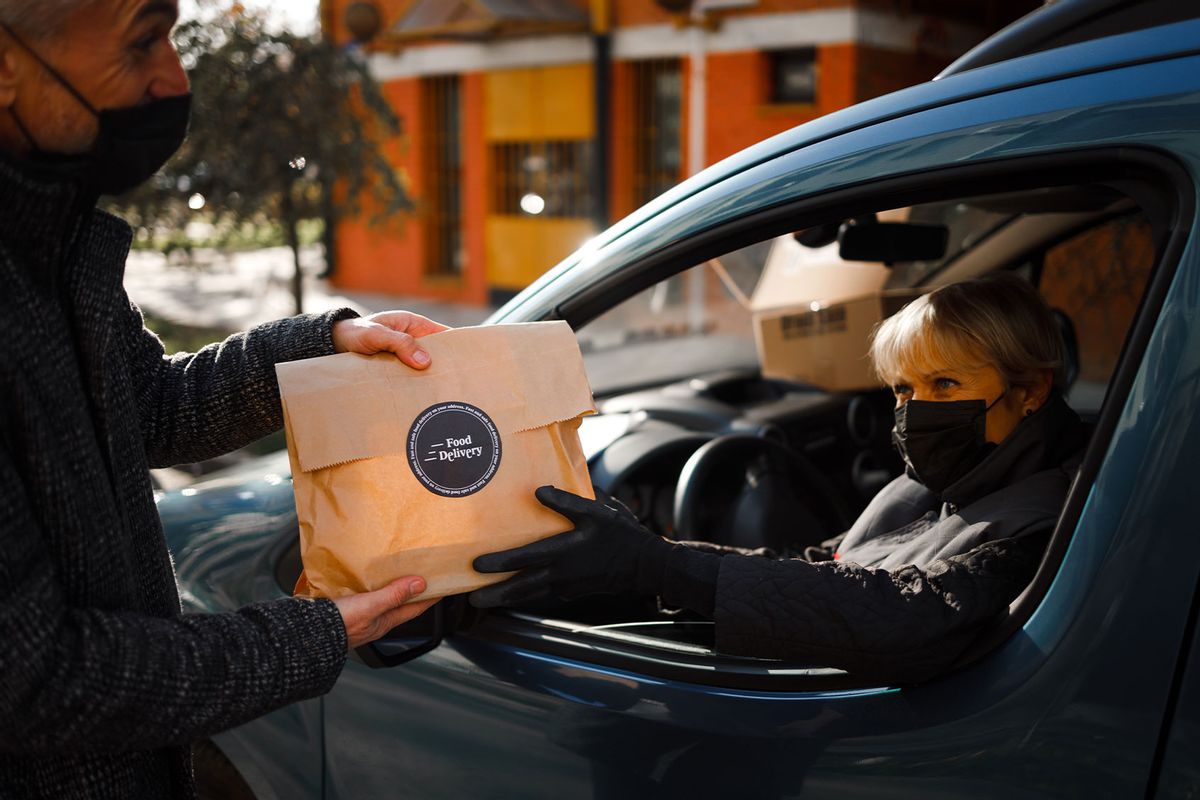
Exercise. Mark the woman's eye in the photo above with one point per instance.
(901, 389)
(945, 384)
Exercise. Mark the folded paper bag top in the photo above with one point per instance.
(404, 472)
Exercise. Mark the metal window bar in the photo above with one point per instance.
(556, 171)
(657, 126)
(443, 151)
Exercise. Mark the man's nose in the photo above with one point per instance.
(170, 77)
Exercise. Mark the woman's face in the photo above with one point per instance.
(939, 382)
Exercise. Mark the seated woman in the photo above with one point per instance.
(990, 448)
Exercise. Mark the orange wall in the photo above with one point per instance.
(385, 260)
(621, 142)
(476, 179)
(392, 259)
(884, 71)
(739, 113)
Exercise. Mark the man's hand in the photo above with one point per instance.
(369, 615)
(608, 552)
(388, 331)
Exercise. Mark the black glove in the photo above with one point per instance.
(608, 552)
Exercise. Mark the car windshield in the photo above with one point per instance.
(695, 322)
(700, 321)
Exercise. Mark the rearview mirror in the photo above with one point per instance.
(892, 242)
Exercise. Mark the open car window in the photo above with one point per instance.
(1091, 248)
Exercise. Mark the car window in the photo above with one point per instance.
(669, 380)
(1096, 278)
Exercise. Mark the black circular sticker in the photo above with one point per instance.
(453, 449)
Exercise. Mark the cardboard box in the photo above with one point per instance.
(814, 314)
(405, 472)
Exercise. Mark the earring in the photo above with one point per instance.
(1029, 412)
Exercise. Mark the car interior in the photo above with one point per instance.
(702, 447)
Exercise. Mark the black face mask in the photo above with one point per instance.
(132, 144)
(942, 441)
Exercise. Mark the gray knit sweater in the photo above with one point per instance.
(103, 681)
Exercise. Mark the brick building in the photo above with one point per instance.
(530, 124)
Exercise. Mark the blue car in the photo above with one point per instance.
(1066, 150)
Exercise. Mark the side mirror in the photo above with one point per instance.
(892, 242)
(406, 642)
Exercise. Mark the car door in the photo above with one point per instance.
(1179, 773)
(1071, 701)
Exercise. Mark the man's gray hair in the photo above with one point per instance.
(38, 18)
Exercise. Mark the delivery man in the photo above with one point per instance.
(103, 681)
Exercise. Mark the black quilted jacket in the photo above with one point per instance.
(103, 682)
(906, 589)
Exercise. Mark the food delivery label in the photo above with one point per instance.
(453, 449)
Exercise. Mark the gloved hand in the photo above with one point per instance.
(608, 552)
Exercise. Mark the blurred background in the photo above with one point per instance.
(440, 155)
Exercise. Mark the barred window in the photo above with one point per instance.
(549, 178)
(658, 127)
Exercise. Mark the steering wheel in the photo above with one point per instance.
(749, 491)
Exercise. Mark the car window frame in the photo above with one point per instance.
(1121, 166)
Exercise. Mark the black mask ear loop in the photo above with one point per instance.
(994, 404)
(58, 76)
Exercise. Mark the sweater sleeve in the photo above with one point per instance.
(194, 406)
(902, 625)
(88, 679)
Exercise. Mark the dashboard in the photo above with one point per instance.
(643, 447)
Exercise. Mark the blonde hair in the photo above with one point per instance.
(998, 320)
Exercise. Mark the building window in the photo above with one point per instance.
(443, 165)
(546, 179)
(657, 127)
(793, 75)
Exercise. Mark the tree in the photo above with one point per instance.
(284, 128)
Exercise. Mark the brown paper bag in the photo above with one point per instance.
(405, 472)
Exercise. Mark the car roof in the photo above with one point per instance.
(1096, 55)
(1064, 22)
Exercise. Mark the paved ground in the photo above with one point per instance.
(240, 290)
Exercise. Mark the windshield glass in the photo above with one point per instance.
(700, 321)
(694, 322)
(967, 225)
